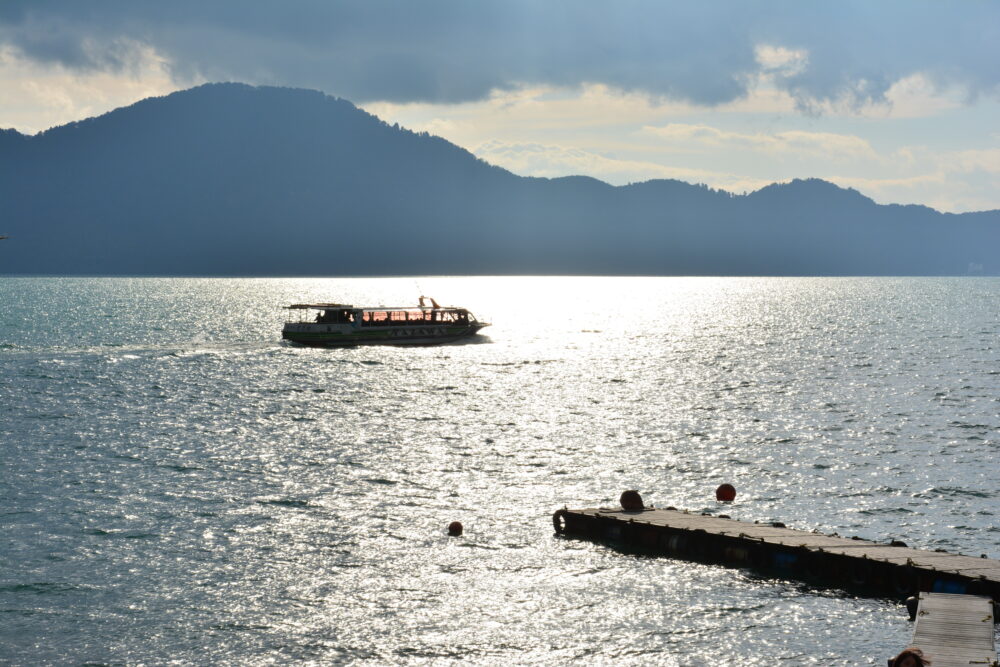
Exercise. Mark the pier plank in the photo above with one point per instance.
(955, 630)
(691, 535)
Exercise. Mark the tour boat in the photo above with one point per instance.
(341, 325)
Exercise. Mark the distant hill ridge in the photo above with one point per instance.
(230, 179)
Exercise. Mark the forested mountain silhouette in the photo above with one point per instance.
(230, 179)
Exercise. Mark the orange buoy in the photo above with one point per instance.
(726, 493)
(455, 528)
(631, 501)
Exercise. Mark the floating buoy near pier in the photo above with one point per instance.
(725, 493)
(631, 501)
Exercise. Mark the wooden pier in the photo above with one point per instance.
(955, 630)
(891, 569)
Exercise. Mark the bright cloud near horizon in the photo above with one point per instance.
(899, 99)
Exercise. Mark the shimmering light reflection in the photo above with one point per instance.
(180, 485)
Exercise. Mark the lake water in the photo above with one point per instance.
(179, 486)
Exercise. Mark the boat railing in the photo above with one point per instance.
(337, 313)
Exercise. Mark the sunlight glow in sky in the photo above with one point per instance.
(900, 100)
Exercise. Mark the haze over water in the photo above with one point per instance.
(178, 485)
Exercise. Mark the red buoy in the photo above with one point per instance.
(631, 501)
(455, 528)
(726, 493)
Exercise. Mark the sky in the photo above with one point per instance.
(899, 99)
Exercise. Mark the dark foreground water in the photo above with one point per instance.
(178, 486)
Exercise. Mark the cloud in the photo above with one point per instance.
(832, 145)
(777, 60)
(38, 96)
(455, 50)
(986, 160)
(916, 97)
(589, 110)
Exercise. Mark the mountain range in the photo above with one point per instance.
(231, 179)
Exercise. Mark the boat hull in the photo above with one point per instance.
(326, 336)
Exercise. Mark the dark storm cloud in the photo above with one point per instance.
(457, 50)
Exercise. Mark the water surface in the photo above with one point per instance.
(178, 485)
